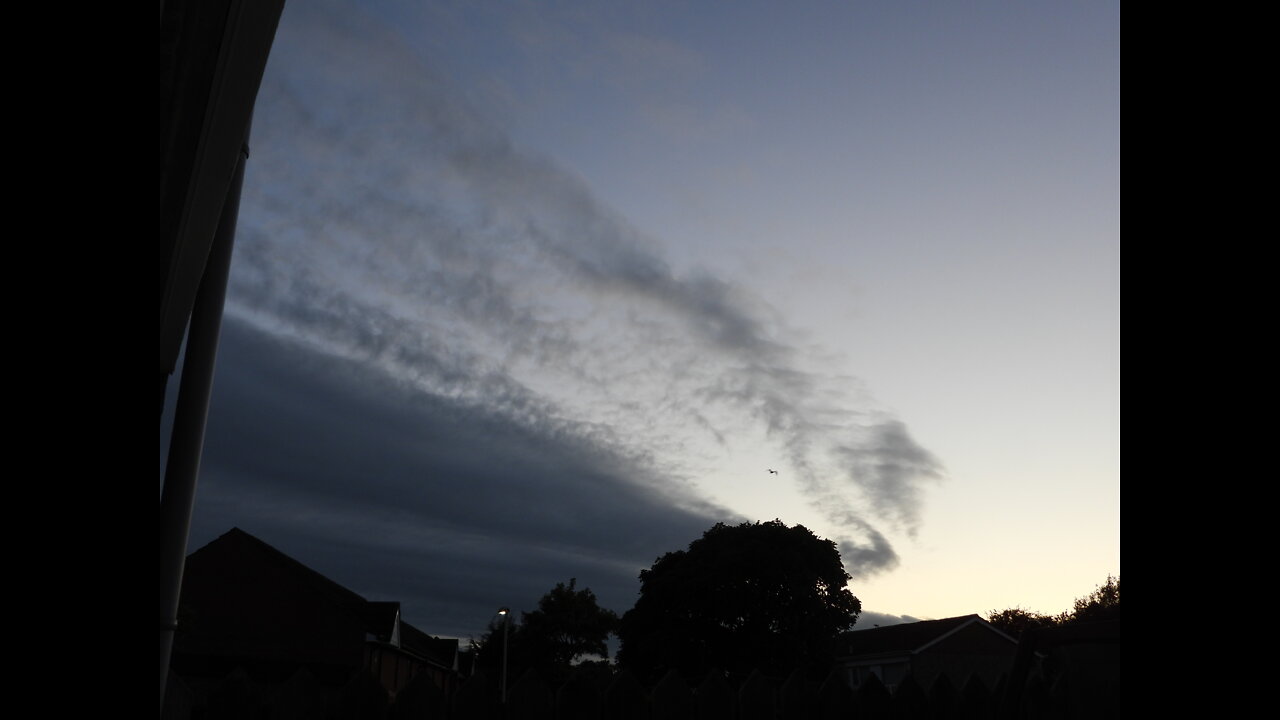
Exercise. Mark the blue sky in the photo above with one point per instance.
(531, 291)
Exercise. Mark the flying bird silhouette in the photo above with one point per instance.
(775, 472)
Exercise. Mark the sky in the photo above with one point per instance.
(532, 291)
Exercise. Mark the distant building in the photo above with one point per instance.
(958, 646)
(246, 604)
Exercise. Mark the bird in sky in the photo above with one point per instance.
(775, 472)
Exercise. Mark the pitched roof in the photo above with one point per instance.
(442, 651)
(378, 617)
(241, 542)
(908, 638)
(248, 604)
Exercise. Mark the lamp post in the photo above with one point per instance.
(506, 624)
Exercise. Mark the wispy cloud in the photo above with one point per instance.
(870, 619)
(316, 452)
(445, 284)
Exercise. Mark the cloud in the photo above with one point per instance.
(447, 353)
(313, 451)
(890, 468)
(868, 620)
(867, 557)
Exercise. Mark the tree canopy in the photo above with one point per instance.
(755, 595)
(567, 625)
(1015, 620)
(1101, 604)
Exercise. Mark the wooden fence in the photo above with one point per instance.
(758, 698)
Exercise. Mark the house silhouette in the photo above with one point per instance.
(246, 604)
(956, 646)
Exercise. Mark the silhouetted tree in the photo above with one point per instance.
(756, 595)
(568, 625)
(1015, 620)
(1101, 604)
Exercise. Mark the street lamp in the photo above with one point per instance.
(506, 624)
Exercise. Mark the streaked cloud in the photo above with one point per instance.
(449, 351)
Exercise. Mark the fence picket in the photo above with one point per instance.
(909, 700)
(625, 699)
(179, 701)
(672, 699)
(757, 698)
(578, 699)
(529, 698)
(835, 699)
(235, 697)
(796, 698)
(300, 698)
(872, 701)
(476, 699)
(421, 699)
(363, 698)
(974, 701)
(760, 697)
(943, 696)
(714, 698)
